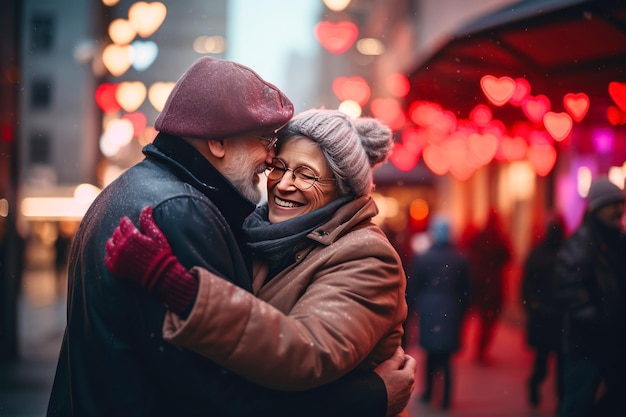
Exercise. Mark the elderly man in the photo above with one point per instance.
(216, 134)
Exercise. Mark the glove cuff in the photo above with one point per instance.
(178, 287)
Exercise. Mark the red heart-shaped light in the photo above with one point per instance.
(483, 147)
(413, 140)
(352, 88)
(481, 115)
(513, 149)
(105, 98)
(402, 158)
(138, 120)
(536, 107)
(497, 90)
(617, 91)
(423, 113)
(558, 125)
(495, 127)
(443, 122)
(456, 148)
(462, 172)
(522, 90)
(542, 157)
(436, 159)
(615, 116)
(576, 105)
(389, 111)
(398, 85)
(336, 38)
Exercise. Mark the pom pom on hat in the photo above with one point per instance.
(217, 98)
(603, 192)
(352, 147)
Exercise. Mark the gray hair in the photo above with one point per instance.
(353, 148)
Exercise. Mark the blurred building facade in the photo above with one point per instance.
(10, 268)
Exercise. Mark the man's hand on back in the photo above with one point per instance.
(398, 374)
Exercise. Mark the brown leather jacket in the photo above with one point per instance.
(339, 306)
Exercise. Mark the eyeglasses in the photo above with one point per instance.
(271, 141)
(303, 177)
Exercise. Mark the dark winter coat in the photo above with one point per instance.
(543, 325)
(488, 253)
(590, 277)
(113, 359)
(440, 283)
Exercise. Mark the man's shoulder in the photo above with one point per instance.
(151, 180)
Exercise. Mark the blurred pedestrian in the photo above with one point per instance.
(440, 286)
(543, 324)
(590, 275)
(488, 252)
(62, 243)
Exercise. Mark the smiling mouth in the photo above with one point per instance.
(284, 203)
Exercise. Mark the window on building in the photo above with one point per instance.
(41, 33)
(40, 94)
(39, 149)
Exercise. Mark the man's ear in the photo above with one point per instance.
(217, 148)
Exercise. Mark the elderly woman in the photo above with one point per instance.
(328, 285)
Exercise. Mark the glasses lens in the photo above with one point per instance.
(272, 143)
(276, 170)
(305, 177)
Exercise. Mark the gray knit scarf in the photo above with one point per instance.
(276, 243)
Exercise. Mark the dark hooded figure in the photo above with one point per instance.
(590, 274)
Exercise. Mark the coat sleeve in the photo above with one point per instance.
(351, 308)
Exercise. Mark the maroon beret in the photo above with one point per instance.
(216, 98)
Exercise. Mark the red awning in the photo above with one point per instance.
(560, 47)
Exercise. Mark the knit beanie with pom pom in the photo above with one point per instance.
(353, 148)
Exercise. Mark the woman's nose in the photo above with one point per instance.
(287, 181)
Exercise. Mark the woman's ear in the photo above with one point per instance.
(216, 148)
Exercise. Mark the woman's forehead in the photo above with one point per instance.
(301, 150)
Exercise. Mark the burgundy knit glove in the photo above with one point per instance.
(146, 258)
